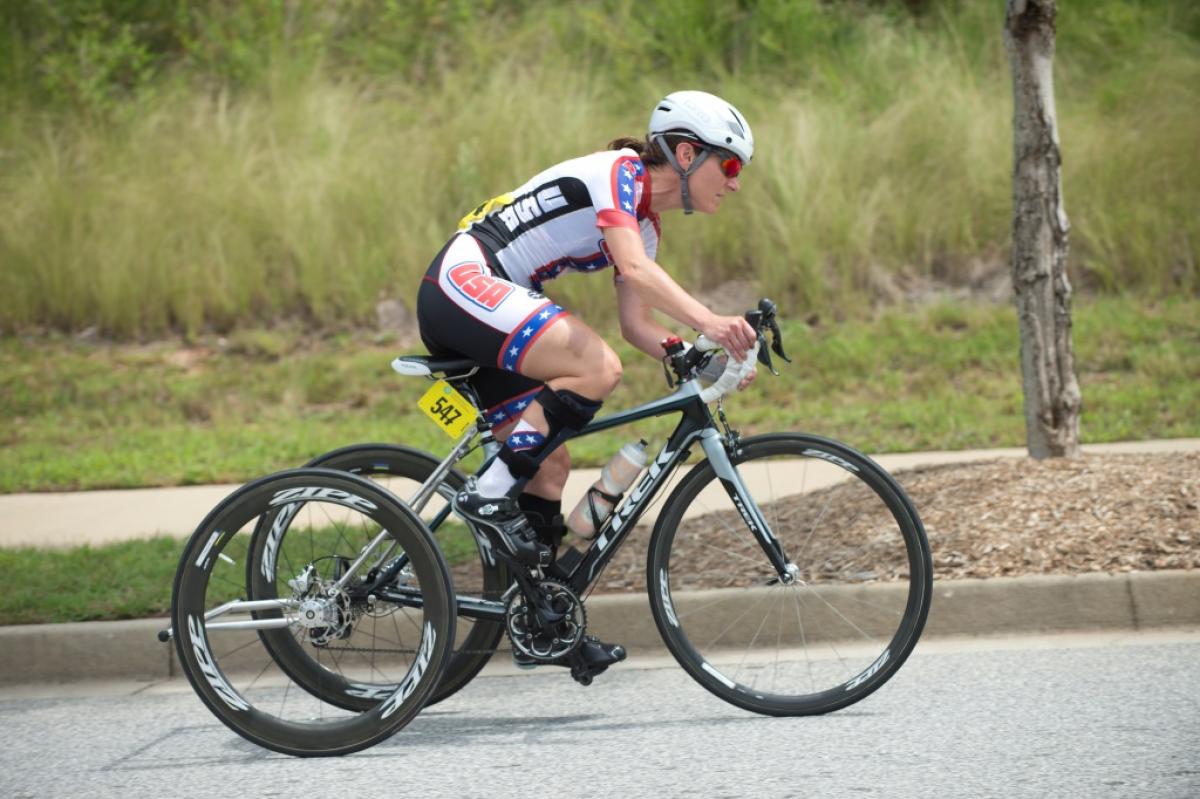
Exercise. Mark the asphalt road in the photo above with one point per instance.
(1093, 715)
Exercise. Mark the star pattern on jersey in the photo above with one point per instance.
(627, 176)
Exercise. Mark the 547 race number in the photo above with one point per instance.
(448, 409)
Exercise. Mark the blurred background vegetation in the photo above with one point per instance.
(200, 166)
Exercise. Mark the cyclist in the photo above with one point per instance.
(548, 372)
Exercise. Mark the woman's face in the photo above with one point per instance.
(708, 184)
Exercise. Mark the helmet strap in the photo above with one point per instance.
(661, 140)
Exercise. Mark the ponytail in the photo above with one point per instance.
(647, 151)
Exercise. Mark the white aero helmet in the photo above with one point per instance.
(705, 117)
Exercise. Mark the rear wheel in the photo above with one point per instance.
(476, 572)
(847, 616)
(222, 630)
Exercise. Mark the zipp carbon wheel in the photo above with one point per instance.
(849, 613)
(476, 573)
(219, 625)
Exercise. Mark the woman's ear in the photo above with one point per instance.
(685, 152)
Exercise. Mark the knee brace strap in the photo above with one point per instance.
(520, 464)
(565, 408)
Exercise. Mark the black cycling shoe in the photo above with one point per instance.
(593, 657)
(599, 655)
(505, 523)
(524, 661)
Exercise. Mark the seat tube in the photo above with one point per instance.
(727, 473)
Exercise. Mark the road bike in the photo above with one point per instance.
(315, 611)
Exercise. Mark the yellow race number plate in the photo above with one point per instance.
(448, 409)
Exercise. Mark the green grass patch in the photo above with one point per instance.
(118, 581)
(133, 579)
(84, 415)
(185, 166)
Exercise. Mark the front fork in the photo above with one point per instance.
(715, 450)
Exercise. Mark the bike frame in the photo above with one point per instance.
(696, 425)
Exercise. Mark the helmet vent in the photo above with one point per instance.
(736, 125)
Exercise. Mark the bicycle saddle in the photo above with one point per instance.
(426, 365)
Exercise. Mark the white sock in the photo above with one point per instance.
(496, 481)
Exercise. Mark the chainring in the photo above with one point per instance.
(544, 642)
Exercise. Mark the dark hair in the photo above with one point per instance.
(647, 150)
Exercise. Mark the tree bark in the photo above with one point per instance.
(1040, 228)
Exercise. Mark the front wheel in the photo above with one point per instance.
(833, 630)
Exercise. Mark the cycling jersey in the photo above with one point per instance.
(481, 296)
(554, 222)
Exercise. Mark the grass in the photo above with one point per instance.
(131, 579)
(85, 415)
(128, 580)
(308, 187)
(942, 377)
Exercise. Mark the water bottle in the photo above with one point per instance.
(615, 478)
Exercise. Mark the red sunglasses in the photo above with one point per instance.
(731, 165)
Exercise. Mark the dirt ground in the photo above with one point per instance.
(1009, 517)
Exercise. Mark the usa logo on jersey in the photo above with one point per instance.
(484, 290)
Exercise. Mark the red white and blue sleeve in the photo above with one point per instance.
(617, 193)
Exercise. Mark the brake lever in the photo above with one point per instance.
(777, 341)
(764, 354)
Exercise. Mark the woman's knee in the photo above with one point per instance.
(609, 370)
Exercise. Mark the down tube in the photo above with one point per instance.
(618, 526)
(714, 450)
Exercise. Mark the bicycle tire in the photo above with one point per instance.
(475, 640)
(239, 680)
(847, 622)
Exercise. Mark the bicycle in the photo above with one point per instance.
(821, 591)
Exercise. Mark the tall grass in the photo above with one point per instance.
(317, 174)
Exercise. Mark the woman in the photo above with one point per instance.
(548, 372)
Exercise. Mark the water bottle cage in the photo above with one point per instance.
(598, 517)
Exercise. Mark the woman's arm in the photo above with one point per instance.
(638, 325)
(655, 288)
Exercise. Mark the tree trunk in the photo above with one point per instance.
(1043, 293)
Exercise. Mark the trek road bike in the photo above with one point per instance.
(315, 611)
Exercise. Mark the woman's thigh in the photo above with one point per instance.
(463, 308)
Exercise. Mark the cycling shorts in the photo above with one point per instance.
(467, 307)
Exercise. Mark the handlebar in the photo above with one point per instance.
(684, 361)
(734, 372)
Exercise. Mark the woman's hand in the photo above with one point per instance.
(733, 333)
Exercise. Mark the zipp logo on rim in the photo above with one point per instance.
(834, 459)
(410, 681)
(871, 670)
(271, 548)
(304, 493)
(209, 669)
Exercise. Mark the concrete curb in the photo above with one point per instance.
(1021, 605)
